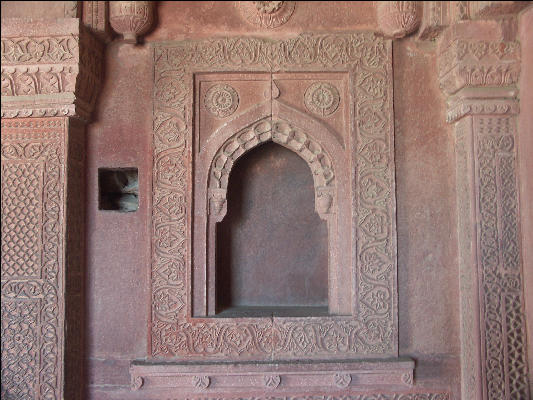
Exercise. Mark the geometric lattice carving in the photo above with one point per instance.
(32, 283)
(505, 366)
(372, 328)
(21, 214)
(20, 349)
(480, 77)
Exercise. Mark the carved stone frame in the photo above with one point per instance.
(372, 329)
(328, 161)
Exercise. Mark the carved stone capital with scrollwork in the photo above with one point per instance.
(55, 70)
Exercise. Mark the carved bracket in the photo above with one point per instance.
(56, 74)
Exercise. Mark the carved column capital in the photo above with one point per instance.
(49, 68)
(478, 76)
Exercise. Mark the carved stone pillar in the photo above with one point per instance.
(479, 77)
(51, 72)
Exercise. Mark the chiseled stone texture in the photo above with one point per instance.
(525, 160)
(118, 243)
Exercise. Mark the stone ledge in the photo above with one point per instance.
(280, 377)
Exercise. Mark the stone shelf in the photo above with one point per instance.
(198, 377)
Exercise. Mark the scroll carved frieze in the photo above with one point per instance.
(372, 329)
(32, 300)
(62, 74)
(468, 63)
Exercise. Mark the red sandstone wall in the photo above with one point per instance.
(118, 243)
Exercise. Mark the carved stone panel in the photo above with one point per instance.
(32, 265)
(364, 102)
(42, 355)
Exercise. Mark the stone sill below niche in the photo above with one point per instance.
(283, 376)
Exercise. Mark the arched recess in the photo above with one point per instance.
(323, 154)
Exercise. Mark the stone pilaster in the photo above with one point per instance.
(51, 73)
(479, 78)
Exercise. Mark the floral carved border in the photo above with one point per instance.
(372, 329)
(26, 143)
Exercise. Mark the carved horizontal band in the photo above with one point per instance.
(468, 63)
(66, 67)
(233, 378)
(463, 107)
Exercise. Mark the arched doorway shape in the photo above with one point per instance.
(272, 246)
(317, 155)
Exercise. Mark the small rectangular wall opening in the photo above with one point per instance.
(118, 189)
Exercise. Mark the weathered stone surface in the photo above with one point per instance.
(448, 318)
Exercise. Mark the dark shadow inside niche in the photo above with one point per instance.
(272, 247)
(118, 189)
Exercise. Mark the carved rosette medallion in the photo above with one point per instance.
(221, 100)
(342, 380)
(398, 18)
(322, 98)
(267, 14)
(271, 381)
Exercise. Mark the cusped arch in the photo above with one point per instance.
(285, 134)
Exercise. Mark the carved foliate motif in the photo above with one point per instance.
(322, 98)
(201, 382)
(32, 284)
(221, 100)
(271, 381)
(469, 63)
(65, 68)
(373, 329)
(266, 14)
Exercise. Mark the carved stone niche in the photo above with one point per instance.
(327, 98)
(306, 113)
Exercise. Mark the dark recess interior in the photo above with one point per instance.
(118, 189)
(272, 247)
